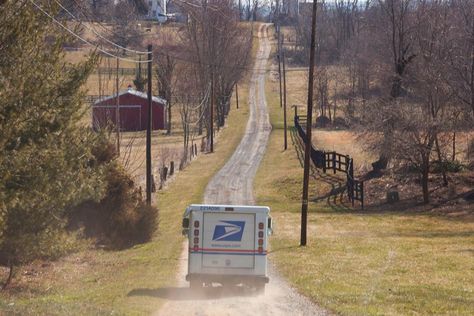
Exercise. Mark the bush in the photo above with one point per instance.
(340, 122)
(121, 219)
(446, 166)
(322, 121)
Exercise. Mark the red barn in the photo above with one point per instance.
(133, 111)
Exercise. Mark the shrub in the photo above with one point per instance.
(322, 121)
(121, 219)
(446, 166)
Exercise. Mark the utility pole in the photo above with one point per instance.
(237, 94)
(211, 116)
(117, 109)
(148, 131)
(279, 64)
(284, 99)
(309, 113)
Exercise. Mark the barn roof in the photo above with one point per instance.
(133, 92)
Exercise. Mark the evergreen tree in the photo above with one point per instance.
(46, 154)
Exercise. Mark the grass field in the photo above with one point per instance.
(356, 262)
(98, 282)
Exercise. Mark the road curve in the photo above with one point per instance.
(233, 184)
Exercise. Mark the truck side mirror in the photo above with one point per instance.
(270, 226)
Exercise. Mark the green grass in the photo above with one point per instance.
(358, 263)
(98, 282)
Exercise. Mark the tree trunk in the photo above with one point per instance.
(168, 132)
(10, 275)
(440, 159)
(424, 183)
(454, 146)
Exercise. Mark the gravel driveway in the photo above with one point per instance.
(233, 184)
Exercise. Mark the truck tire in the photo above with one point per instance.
(195, 284)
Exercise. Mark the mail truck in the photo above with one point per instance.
(227, 245)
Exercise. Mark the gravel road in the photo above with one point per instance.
(233, 184)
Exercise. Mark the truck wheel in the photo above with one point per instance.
(195, 284)
(260, 288)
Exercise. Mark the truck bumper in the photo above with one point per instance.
(227, 278)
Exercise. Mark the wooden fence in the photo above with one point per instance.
(335, 162)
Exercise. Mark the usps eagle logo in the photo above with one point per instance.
(229, 231)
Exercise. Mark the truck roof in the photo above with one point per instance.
(226, 208)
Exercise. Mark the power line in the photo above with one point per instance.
(84, 40)
(140, 52)
(99, 35)
(189, 61)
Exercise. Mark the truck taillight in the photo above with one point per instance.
(260, 234)
(196, 232)
(196, 240)
(260, 249)
(260, 242)
(196, 247)
(196, 224)
(260, 226)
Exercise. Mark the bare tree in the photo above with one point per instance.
(220, 48)
(166, 61)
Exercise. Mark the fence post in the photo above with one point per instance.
(324, 161)
(348, 185)
(334, 161)
(351, 167)
(195, 150)
(362, 194)
(351, 174)
(165, 173)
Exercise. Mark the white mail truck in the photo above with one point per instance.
(227, 245)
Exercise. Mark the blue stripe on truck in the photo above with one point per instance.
(228, 253)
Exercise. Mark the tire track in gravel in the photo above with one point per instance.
(233, 184)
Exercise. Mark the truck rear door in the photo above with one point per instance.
(228, 240)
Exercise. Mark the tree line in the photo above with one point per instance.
(198, 65)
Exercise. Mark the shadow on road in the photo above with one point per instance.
(185, 293)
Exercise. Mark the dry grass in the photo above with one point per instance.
(363, 263)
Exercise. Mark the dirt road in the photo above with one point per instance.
(233, 184)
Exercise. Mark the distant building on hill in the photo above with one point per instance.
(157, 10)
(133, 111)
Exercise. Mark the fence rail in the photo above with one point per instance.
(335, 162)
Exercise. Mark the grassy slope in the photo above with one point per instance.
(97, 282)
(360, 263)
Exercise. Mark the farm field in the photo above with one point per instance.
(358, 262)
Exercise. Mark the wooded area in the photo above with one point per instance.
(404, 77)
